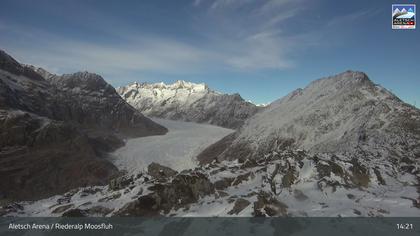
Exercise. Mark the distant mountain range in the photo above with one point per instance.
(188, 102)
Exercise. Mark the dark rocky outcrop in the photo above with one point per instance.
(75, 213)
(266, 205)
(160, 172)
(223, 183)
(183, 190)
(120, 182)
(99, 211)
(240, 204)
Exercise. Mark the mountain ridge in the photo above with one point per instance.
(55, 131)
(188, 101)
(322, 118)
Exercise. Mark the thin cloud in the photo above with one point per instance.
(220, 4)
(197, 2)
(266, 50)
(249, 33)
(163, 56)
(249, 39)
(352, 17)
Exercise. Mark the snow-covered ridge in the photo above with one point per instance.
(258, 104)
(188, 101)
(180, 92)
(43, 72)
(342, 113)
(180, 84)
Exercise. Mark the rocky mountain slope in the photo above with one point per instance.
(188, 102)
(346, 113)
(54, 130)
(356, 135)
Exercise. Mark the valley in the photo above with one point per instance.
(72, 145)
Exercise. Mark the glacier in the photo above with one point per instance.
(177, 149)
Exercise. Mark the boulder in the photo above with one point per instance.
(268, 205)
(146, 206)
(223, 183)
(160, 172)
(240, 204)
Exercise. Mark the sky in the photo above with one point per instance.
(261, 49)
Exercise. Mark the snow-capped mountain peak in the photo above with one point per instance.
(180, 92)
(188, 101)
(342, 113)
(179, 84)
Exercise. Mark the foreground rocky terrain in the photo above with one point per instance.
(188, 101)
(281, 184)
(55, 130)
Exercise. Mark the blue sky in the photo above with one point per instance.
(262, 49)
